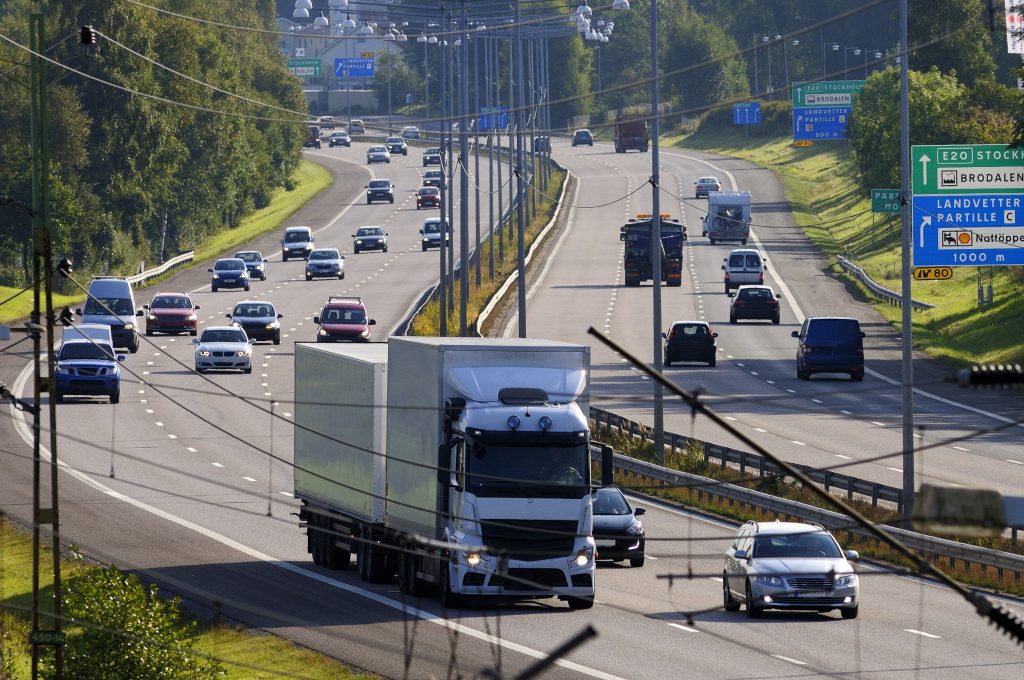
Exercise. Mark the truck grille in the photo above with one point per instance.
(529, 539)
(530, 579)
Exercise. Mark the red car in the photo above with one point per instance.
(428, 197)
(171, 313)
(343, 319)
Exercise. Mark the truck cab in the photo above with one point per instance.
(636, 238)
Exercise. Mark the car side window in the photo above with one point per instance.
(753, 261)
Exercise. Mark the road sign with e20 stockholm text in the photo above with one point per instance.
(826, 93)
(968, 205)
(885, 201)
(305, 68)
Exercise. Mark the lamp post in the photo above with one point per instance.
(875, 54)
(846, 56)
(770, 39)
(785, 60)
(757, 44)
(834, 46)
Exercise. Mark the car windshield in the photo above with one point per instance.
(816, 544)
(117, 306)
(396, 140)
(223, 335)
(229, 265)
(370, 231)
(429, 191)
(249, 257)
(84, 350)
(689, 330)
(324, 255)
(296, 236)
(434, 174)
(346, 315)
(534, 470)
(709, 180)
(377, 149)
(249, 309)
(755, 293)
(380, 184)
(433, 227)
(610, 502)
(432, 150)
(170, 302)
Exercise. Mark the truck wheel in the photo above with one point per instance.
(449, 600)
(361, 550)
(115, 396)
(335, 557)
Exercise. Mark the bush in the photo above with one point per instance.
(121, 629)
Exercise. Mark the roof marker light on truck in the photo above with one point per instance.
(514, 422)
(544, 422)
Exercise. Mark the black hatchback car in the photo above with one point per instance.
(258, 319)
(830, 344)
(690, 341)
(618, 532)
(755, 302)
(581, 137)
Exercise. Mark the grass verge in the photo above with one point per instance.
(273, 656)
(428, 321)
(310, 180)
(704, 498)
(827, 201)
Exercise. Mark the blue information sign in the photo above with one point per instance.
(746, 113)
(492, 117)
(354, 67)
(964, 230)
(820, 122)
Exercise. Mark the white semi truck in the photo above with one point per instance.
(461, 465)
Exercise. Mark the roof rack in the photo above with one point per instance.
(344, 298)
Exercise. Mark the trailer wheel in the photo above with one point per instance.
(361, 552)
(334, 557)
(376, 562)
(317, 539)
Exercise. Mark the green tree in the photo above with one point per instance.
(954, 39)
(570, 66)
(704, 59)
(122, 629)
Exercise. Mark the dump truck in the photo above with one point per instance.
(728, 216)
(636, 238)
(630, 133)
(458, 466)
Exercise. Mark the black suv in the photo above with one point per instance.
(380, 190)
(397, 145)
(755, 302)
(690, 341)
(258, 319)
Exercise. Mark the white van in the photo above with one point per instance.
(88, 331)
(744, 266)
(111, 302)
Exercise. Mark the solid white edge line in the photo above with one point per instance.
(682, 627)
(923, 634)
(800, 317)
(789, 660)
(23, 431)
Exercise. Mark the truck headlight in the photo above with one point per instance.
(473, 559)
(846, 581)
(584, 557)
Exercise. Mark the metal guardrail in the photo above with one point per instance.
(878, 289)
(748, 462)
(930, 546)
(141, 278)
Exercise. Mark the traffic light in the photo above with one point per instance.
(88, 36)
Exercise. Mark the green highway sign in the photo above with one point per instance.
(967, 169)
(305, 68)
(885, 201)
(826, 93)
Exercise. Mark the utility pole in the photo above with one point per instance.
(520, 180)
(463, 170)
(476, 147)
(42, 294)
(442, 244)
(655, 242)
(908, 309)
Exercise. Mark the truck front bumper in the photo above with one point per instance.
(561, 576)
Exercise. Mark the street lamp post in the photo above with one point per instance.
(757, 44)
(785, 60)
(834, 46)
(770, 39)
(846, 56)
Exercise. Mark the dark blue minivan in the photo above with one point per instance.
(830, 344)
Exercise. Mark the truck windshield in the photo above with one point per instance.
(539, 470)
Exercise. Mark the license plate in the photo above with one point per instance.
(812, 593)
(606, 544)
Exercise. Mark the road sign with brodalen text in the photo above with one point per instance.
(968, 205)
(826, 93)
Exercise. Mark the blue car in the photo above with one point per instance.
(255, 263)
(229, 272)
(87, 367)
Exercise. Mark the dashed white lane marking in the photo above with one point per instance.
(770, 382)
(143, 401)
(817, 401)
(729, 418)
(738, 363)
(190, 449)
(846, 413)
(875, 422)
(788, 660)
(217, 465)
(753, 373)
(960, 448)
(1015, 462)
(249, 479)
(287, 415)
(149, 410)
(760, 429)
(798, 443)
(839, 455)
(791, 391)
(918, 436)
(172, 436)
(682, 627)
(923, 634)
(159, 424)
(286, 493)
(894, 469)
(715, 578)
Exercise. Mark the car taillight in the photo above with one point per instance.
(760, 279)
(727, 276)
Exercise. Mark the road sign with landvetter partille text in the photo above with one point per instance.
(968, 205)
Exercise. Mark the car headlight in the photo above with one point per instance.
(217, 276)
(425, 239)
(203, 352)
(236, 324)
(129, 326)
(359, 241)
(473, 559)
(244, 352)
(365, 333)
(846, 581)
(151, 317)
(322, 332)
(191, 317)
(63, 369)
(769, 580)
(635, 529)
(271, 326)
